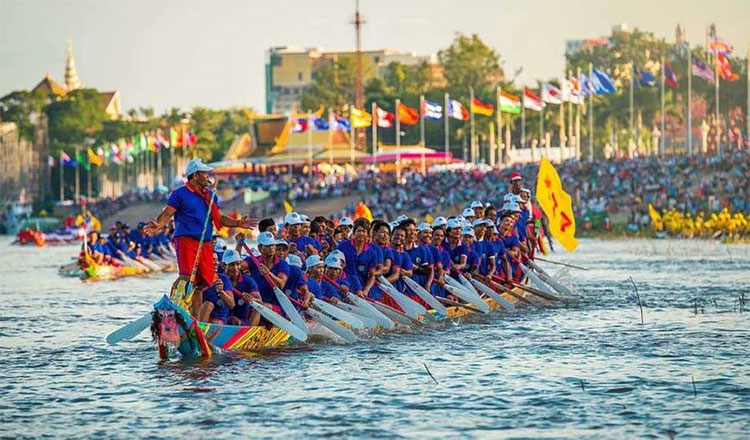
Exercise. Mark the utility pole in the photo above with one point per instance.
(359, 96)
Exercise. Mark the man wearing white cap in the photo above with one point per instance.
(478, 208)
(314, 275)
(189, 206)
(346, 224)
(468, 214)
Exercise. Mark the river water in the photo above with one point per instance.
(588, 370)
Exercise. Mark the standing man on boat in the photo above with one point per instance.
(188, 205)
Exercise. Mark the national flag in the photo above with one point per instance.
(576, 94)
(432, 110)
(458, 111)
(725, 68)
(481, 108)
(556, 203)
(299, 125)
(551, 94)
(718, 45)
(509, 103)
(67, 160)
(585, 85)
(360, 118)
(51, 162)
(700, 69)
(192, 139)
(339, 123)
(385, 118)
(152, 143)
(407, 115)
(603, 83)
(670, 78)
(645, 78)
(94, 158)
(172, 137)
(531, 101)
(320, 124)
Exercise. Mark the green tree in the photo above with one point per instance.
(77, 117)
(20, 107)
(469, 62)
(333, 86)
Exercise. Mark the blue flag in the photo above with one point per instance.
(339, 123)
(645, 79)
(603, 84)
(585, 85)
(320, 124)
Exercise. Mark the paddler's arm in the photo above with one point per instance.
(244, 222)
(395, 275)
(228, 297)
(279, 280)
(370, 282)
(461, 263)
(156, 225)
(430, 276)
(491, 261)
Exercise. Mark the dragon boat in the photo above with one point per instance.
(174, 330)
(91, 271)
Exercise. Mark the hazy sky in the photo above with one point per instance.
(187, 52)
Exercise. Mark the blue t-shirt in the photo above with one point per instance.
(405, 263)
(487, 250)
(330, 291)
(221, 310)
(244, 284)
(358, 265)
(421, 257)
(315, 288)
(303, 241)
(266, 290)
(190, 214)
(295, 281)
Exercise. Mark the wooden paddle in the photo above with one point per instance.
(561, 264)
(498, 286)
(450, 302)
(536, 292)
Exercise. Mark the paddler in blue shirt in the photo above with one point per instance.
(455, 247)
(361, 259)
(512, 248)
(405, 265)
(314, 275)
(381, 235)
(218, 301)
(333, 270)
(478, 208)
(244, 289)
(271, 267)
(472, 258)
(295, 286)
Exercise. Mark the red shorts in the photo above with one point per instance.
(186, 249)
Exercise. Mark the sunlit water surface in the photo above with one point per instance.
(589, 370)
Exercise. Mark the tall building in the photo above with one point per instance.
(290, 69)
(71, 75)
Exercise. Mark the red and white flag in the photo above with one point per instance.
(385, 118)
(551, 94)
(531, 101)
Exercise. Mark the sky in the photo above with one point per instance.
(185, 53)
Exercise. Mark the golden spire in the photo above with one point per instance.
(71, 75)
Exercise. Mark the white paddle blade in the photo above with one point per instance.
(358, 313)
(290, 310)
(279, 321)
(129, 331)
(332, 325)
(426, 296)
(504, 303)
(341, 315)
(468, 297)
(371, 311)
(395, 315)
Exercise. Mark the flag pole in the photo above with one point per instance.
(541, 118)
(591, 113)
(88, 175)
(351, 139)
(747, 109)
(421, 133)
(499, 119)
(471, 125)
(374, 108)
(446, 124)
(330, 145)
(570, 111)
(662, 144)
(62, 177)
(690, 101)
(578, 118)
(508, 142)
(309, 145)
(562, 127)
(716, 111)
(77, 174)
(398, 143)
(631, 137)
(523, 120)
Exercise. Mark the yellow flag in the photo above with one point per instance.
(360, 118)
(95, 159)
(656, 220)
(429, 218)
(362, 211)
(288, 207)
(556, 204)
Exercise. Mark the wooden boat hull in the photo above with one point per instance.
(231, 338)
